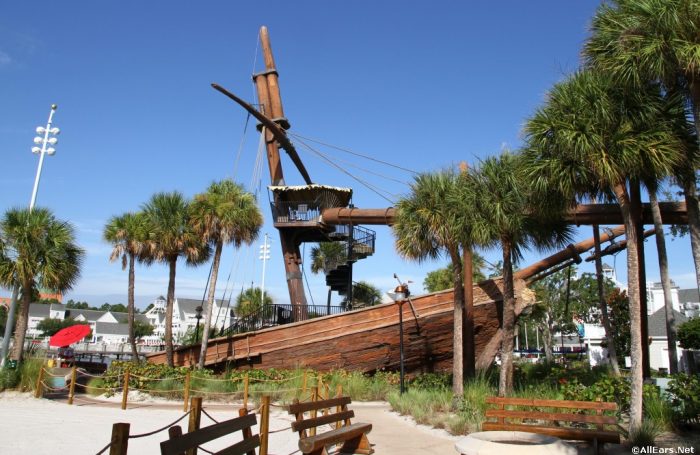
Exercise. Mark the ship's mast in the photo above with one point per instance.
(267, 84)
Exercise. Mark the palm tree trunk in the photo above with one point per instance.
(505, 382)
(210, 303)
(468, 348)
(665, 282)
(689, 184)
(130, 308)
(603, 305)
(547, 339)
(22, 322)
(169, 314)
(457, 353)
(636, 372)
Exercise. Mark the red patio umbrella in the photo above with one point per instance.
(69, 335)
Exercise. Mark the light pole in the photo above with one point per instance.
(197, 316)
(264, 256)
(399, 296)
(43, 139)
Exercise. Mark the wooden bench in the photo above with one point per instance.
(352, 437)
(187, 443)
(536, 421)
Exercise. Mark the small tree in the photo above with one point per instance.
(689, 334)
(441, 279)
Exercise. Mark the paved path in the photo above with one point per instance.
(41, 426)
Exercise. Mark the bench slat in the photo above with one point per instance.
(560, 432)
(241, 447)
(199, 437)
(307, 445)
(306, 406)
(305, 424)
(584, 418)
(606, 406)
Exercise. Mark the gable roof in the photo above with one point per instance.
(688, 295)
(657, 322)
(110, 328)
(39, 310)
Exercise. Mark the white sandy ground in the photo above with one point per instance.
(41, 426)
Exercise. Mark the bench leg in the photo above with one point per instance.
(358, 445)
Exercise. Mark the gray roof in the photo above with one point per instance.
(657, 322)
(688, 295)
(123, 318)
(189, 305)
(39, 310)
(89, 315)
(110, 328)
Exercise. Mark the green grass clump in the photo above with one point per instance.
(645, 435)
(428, 407)
(659, 411)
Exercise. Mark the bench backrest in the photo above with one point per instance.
(179, 443)
(501, 413)
(328, 416)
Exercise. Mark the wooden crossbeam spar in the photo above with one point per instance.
(671, 212)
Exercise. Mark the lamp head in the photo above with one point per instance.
(50, 151)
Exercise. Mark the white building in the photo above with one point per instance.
(656, 318)
(184, 317)
(107, 327)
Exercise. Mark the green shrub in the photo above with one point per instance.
(611, 389)
(684, 391)
(689, 333)
(9, 378)
(431, 381)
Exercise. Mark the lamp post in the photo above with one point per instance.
(197, 316)
(399, 296)
(46, 142)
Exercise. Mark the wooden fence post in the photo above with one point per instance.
(303, 387)
(195, 419)
(312, 430)
(125, 389)
(264, 423)
(338, 394)
(245, 391)
(247, 432)
(39, 384)
(186, 392)
(120, 439)
(73, 379)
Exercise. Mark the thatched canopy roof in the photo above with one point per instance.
(322, 195)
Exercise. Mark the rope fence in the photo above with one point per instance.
(305, 387)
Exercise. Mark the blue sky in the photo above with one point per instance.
(421, 84)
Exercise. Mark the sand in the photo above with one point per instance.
(42, 426)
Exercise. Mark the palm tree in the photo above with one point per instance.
(643, 41)
(364, 294)
(328, 255)
(128, 235)
(170, 238)
(591, 137)
(224, 214)
(426, 226)
(506, 213)
(36, 250)
(251, 301)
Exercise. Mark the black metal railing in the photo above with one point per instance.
(278, 314)
(291, 212)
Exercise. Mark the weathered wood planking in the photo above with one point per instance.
(365, 340)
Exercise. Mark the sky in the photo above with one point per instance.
(422, 85)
